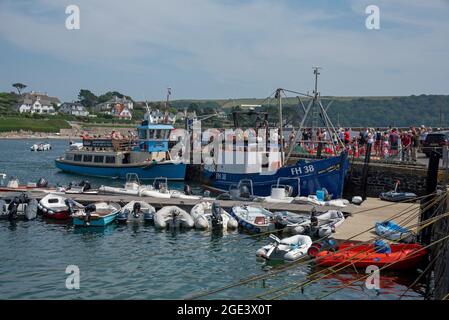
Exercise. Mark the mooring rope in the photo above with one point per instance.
(293, 265)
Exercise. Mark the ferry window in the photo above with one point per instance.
(110, 159)
(87, 158)
(77, 157)
(142, 134)
(98, 159)
(167, 134)
(69, 157)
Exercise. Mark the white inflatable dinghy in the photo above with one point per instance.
(207, 215)
(173, 217)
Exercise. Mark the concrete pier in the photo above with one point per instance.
(359, 218)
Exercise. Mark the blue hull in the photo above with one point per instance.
(102, 222)
(169, 170)
(325, 173)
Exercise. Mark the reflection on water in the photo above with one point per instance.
(135, 261)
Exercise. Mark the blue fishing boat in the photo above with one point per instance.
(147, 155)
(259, 155)
(313, 175)
(96, 215)
(393, 231)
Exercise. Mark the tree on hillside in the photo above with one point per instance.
(87, 98)
(19, 86)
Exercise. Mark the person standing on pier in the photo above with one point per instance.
(394, 142)
(415, 144)
(406, 142)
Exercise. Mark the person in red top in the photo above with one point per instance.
(406, 141)
(347, 137)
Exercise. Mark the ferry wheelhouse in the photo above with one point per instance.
(147, 156)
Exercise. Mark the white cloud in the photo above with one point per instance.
(257, 45)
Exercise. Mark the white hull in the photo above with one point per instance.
(202, 216)
(172, 217)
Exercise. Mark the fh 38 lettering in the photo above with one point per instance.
(306, 170)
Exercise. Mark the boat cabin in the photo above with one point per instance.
(153, 137)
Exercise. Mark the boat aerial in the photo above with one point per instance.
(207, 215)
(172, 217)
(147, 155)
(288, 249)
(136, 212)
(381, 254)
(40, 147)
(253, 219)
(18, 207)
(55, 206)
(98, 214)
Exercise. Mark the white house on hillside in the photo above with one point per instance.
(107, 106)
(74, 109)
(35, 102)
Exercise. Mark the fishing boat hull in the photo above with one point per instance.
(145, 171)
(314, 175)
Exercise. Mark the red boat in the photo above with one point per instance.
(402, 256)
(55, 207)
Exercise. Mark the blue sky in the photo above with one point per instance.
(225, 49)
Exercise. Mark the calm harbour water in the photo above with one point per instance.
(139, 262)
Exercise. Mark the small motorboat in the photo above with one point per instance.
(97, 214)
(83, 187)
(314, 225)
(132, 186)
(288, 249)
(56, 207)
(208, 215)
(173, 217)
(137, 212)
(18, 207)
(313, 200)
(243, 191)
(390, 256)
(395, 196)
(254, 219)
(40, 147)
(160, 189)
(393, 231)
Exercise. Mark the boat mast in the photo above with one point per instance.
(279, 96)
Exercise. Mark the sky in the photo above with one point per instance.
(222, 49)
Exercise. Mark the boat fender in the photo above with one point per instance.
(357, 200)
(42, 183)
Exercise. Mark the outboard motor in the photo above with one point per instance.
(313, 218)
(288, 190)
(42, 183)
(136, 210)
(174, 218)
(86, 186)
(280, 221)
(187, 190)
(88, 211)
(12, 208)
(216, 218)
(69, 204)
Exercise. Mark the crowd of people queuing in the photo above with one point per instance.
(402, 144)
